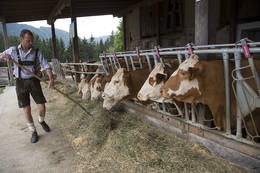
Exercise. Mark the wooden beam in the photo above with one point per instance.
(54, 49)
(9, 64)
(57, 10)
(123, 12)
(75, 44)
(201, 22)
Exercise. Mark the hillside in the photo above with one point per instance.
(44, 32)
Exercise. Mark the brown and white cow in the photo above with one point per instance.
(84, 85)
(156, 79)
(151, 88)
(97, 85)
(123, 85)
(203, 82)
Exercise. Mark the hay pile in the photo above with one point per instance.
(117, 142)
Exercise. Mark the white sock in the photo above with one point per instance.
(41, 119)
(31, 127)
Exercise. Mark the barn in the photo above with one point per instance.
(158, 30)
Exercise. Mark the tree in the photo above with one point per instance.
(118, 42)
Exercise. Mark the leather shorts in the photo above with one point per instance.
(27, 87)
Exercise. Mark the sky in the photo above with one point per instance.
(95, 25)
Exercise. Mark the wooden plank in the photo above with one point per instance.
(75, 44)
(9, 64)
(57, 10)
(54, 49)
(201, 22)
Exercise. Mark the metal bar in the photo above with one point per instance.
(148, 61)
(179, 58)
(193, 118)
(194, 47)
(237, 56)
(100, 64)
(140, 63)
(126, 62)
(186, 111)
(132, 62)
(80, 72)
(155, 59)
(205, 51)
(227, 91)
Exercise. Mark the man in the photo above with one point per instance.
(26, 85)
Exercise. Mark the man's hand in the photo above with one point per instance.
(6, 57)
(51, 83)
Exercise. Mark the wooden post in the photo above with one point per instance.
(54, 48)
(75, 45)
(201, 22)
(205, 23)
(9, 64)
(157, 25)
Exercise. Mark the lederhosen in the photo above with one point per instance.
(25, 87)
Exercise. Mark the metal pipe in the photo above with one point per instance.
(238, 90)
(140, 63)
(126, 62)
(179, 58)
(155, 59)
(205, 51)
(132, 62)
(227, 91)
(149, 62)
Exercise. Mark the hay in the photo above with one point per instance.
(117, 142)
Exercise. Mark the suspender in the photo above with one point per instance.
(27, 63)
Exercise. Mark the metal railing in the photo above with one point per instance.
(224, 50)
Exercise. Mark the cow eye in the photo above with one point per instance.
(116, 81)
(183, 73)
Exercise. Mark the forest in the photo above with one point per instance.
(89, 50)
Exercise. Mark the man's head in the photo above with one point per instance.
(26, 38)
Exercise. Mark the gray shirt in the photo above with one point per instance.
(28, 56)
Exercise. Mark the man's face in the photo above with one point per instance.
(26, 41)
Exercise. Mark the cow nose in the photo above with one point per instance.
(139, 96)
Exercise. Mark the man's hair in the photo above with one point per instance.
(26, 31)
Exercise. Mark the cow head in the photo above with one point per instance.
(81, 85)
(86, 91)
(183, 84)
(151, 88)
(95, 87)
(116, 89)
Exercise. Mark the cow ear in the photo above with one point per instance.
(160, 77)
(194, 71)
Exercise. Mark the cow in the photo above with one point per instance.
(123, 85)
(203, 82)
(97, 85)
(84, 85)
(151, 88)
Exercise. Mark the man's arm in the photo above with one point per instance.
(51, 80)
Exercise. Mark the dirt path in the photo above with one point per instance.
(50, 154)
